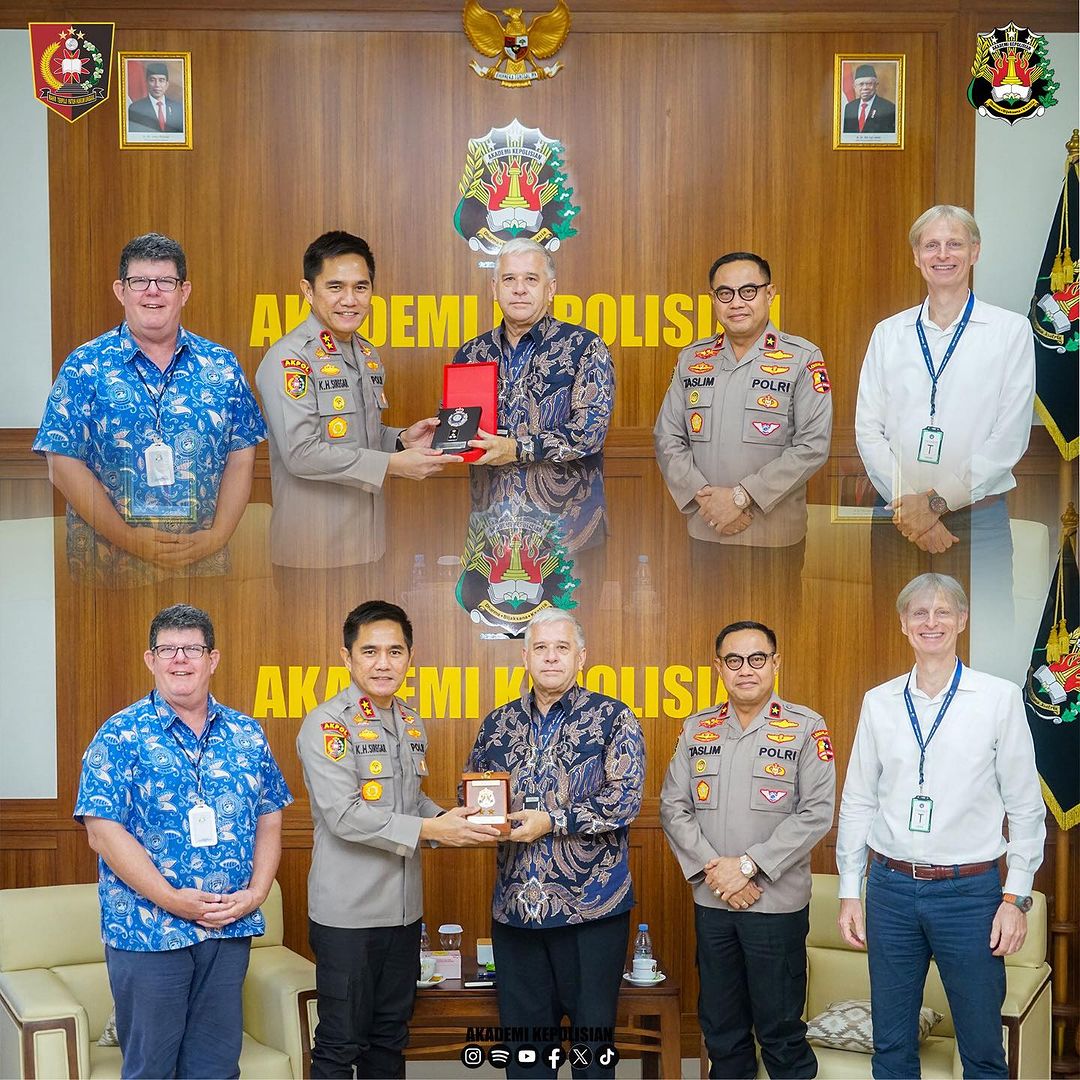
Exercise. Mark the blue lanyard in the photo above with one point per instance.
(940, 716)
(958, 333)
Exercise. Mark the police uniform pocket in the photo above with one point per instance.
(765, 413)
(698, 412)
(705, 781)
(374, 765)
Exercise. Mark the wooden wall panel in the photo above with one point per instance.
(690, 128)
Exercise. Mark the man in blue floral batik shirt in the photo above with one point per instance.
(563, 894)
(150, 434)
(182, 801)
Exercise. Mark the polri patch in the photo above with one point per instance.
(337, 428)
(703, 790)
(371, 791)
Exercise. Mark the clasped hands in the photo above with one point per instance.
(729, 883)
(717, 508)
(916, 522)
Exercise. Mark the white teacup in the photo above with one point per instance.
(644, 969)
(427, 968)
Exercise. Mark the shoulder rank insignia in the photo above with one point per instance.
(783, 723)
(773, 795)
(328, 342)
(723, 711)
(770, 341)
(773, 769)
(371, 791)
(767, 401)
(710, 736)
(696, 422)
(775, 369)
(778, 354)
(766, 427)
(329, 369)
(337, 428)
(366, 708)
(362, 345)
(779, 738)
(700, 765)
(703, 790)
(824, 743)
(368, 734)
(775, 710)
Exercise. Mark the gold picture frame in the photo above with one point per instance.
(155, 100)
(881, 75)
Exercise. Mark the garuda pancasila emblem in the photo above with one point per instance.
(516, 47)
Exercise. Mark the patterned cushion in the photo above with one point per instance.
(108, 1036)
(846, 1025)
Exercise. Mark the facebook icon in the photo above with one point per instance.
(554, 1055)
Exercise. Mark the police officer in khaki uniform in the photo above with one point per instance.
(323, 391)
(745, 423)
(364, 755)
(749, 792)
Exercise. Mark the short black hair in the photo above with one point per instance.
(182, 617)
(155, 67)
(332, 244)
(746, 624)
(741, 256)
(375, 611)
(153, 247)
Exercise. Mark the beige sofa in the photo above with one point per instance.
(837, 971)
(55, 998)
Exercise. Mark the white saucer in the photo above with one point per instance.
(433, 981)
(660, 977)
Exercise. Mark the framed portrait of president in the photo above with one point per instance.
(868, 101)
(155, 101)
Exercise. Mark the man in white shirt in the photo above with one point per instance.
(941, 755)
(943, 414)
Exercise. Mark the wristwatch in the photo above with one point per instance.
(938, 505)
(748, 869)
(1022, 902)
(739, 497)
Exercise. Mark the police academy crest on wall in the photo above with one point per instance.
(1011, 77)
(514, 185)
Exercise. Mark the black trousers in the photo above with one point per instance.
(571, 971)
(366, 984)
(752, 967)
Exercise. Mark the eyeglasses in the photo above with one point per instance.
(141, 284)
(168, 652)
(931, 247)
(733, 661)
(725, 294)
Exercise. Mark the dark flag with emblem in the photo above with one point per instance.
(1054, 319)
(1052, 693)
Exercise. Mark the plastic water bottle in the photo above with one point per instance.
(425, 942)
(643, 943)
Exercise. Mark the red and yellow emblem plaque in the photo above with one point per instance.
(337, 428)
(696, 422)
(703, 790)
(72, 65)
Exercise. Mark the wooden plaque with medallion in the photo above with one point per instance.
(489, 794)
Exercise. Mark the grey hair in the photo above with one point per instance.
(153, 247)
(932, 583)
(554, 615)
(182, 617)
(948, 212)
(522, 245)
